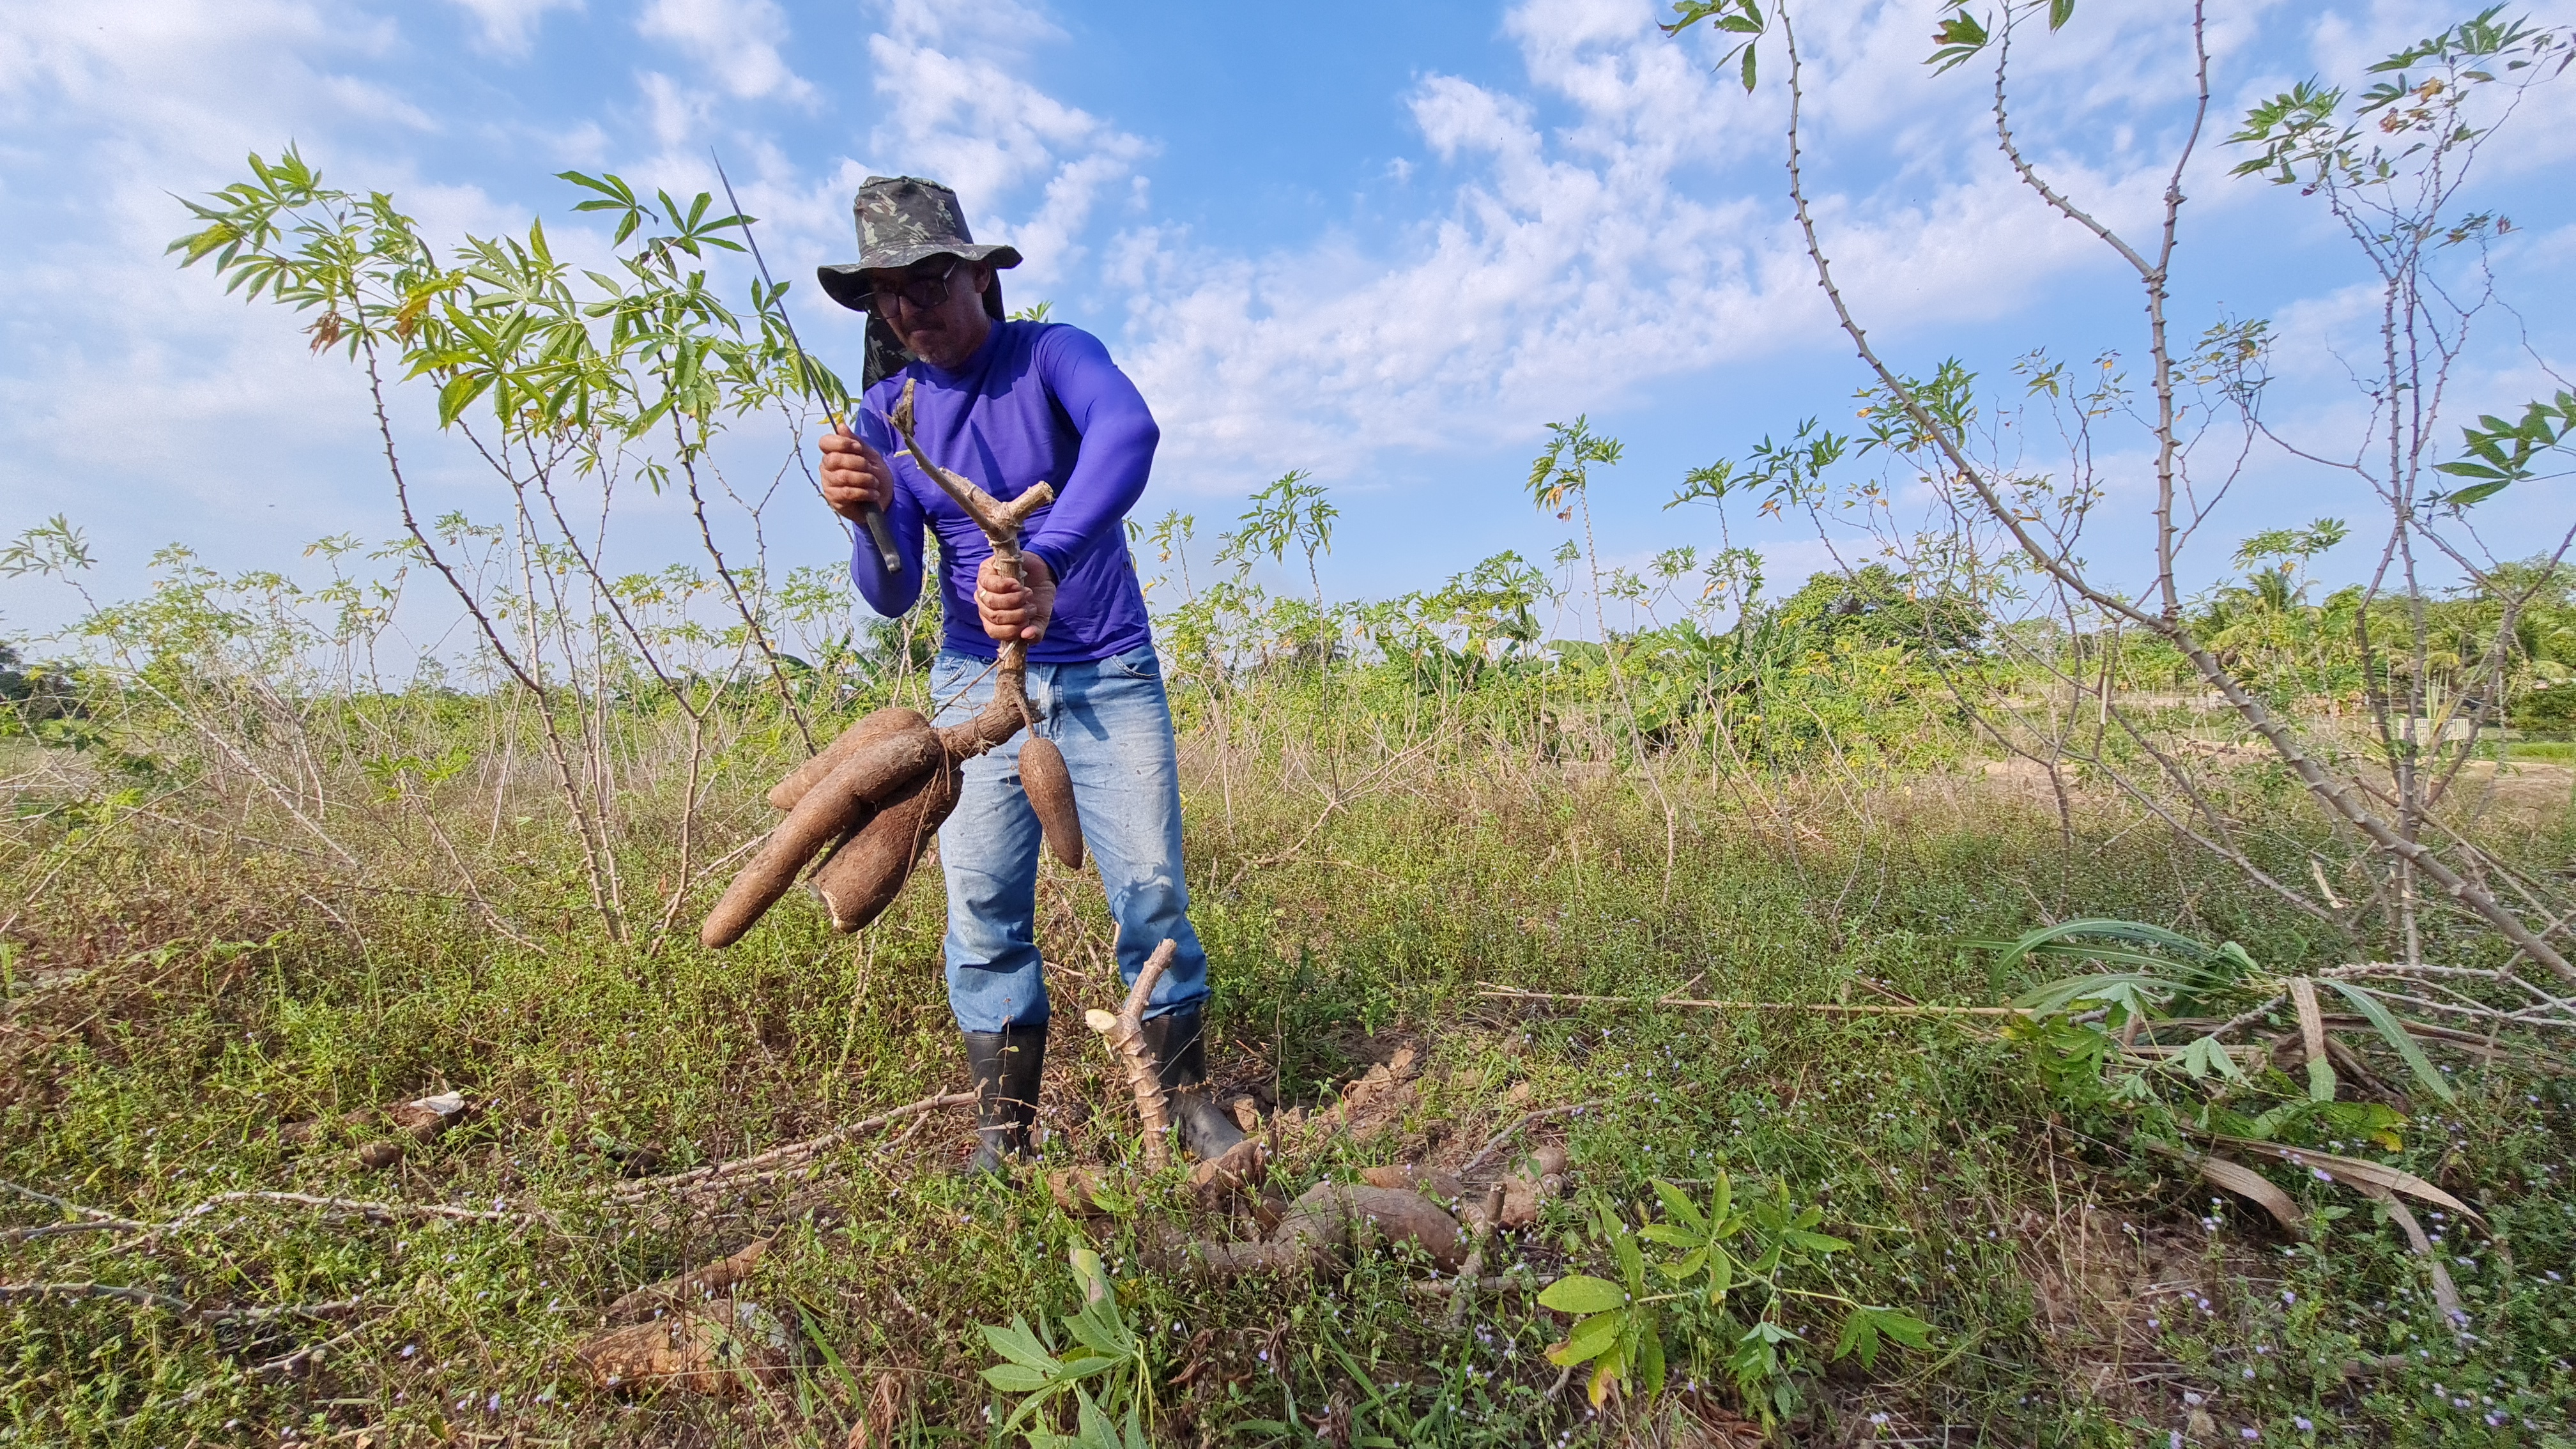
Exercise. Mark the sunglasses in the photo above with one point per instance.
(924, 290)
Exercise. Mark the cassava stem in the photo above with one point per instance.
(1126, 1034)
(1001, 522)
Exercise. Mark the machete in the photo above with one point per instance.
(806, 373)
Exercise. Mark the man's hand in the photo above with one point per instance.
(854, 476)
(1012, 609)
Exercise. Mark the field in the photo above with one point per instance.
(196, 998)
(1975, 995)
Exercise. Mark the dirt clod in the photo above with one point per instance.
(722, 1348)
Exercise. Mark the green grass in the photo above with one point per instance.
(234, 988)
(2552, 752)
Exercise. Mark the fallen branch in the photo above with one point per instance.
(153, 1298)
(1126, 1035)
(379, 1211)
(145, 1297)
(92, 1220)
(1494, 1144)
(95, 1225)
(310, 1353)
(790, 1155)
(1826, 1008)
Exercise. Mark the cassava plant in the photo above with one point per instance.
(2390, 163)
(567, 383)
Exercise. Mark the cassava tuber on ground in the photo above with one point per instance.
(1324, 1220)
(1426, 1207)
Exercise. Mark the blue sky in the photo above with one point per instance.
(1387, 243)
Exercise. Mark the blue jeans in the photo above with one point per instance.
(1114, 725)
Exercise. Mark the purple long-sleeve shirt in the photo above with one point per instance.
(1038, 402)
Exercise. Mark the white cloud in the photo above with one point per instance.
(736, 41)
(676, 114)
(1597, 237)
(138, 398)
(510, 26)
(957, 112)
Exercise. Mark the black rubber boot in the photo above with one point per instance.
(1180, 1062)
(1007, 1066)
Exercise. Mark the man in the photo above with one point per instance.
(1011, 404)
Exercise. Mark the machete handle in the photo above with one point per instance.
(879, 530)
(873, 518)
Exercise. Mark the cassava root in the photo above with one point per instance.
(874, 771)
(864, 876)
(1050, 790)
(891, 720)
(873, 798)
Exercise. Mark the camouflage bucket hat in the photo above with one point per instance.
(903, 219)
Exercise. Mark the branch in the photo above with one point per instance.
(791, 1155)
(152, 1298)
(1126, 1034)
(1493, 1144)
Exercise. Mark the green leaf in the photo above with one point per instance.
(2208, 1056)
(2059, 12)
(1815, 1242)
(1749, 53)
(1955, 42)
(1102, 1333)
(2122, 989)
(1678, 1203)
(2397, 1038)
(1583, 1294)
(1590, 1339)
(1011, 1378)
(2476, 493)
(1862, 1329)
(1904, 1327)
(1020, 1345)
(1859, 1336)
(2137, 933)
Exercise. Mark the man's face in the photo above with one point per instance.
(945, 330)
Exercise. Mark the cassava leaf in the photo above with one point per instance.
(2397, 1038)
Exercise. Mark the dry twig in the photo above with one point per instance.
(793, 1154)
